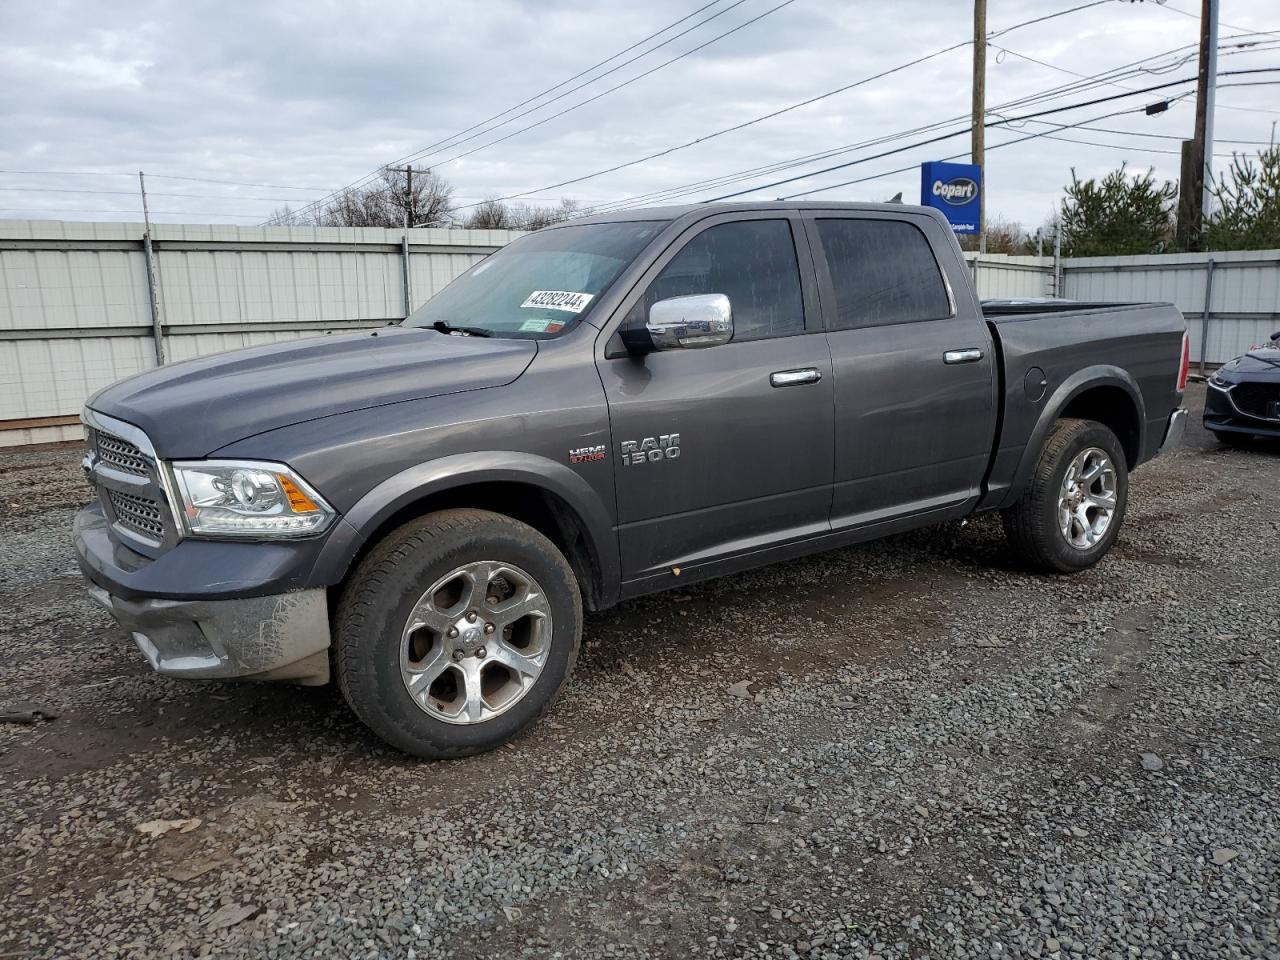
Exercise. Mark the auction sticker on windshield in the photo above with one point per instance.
(565, 300)
(541, 326)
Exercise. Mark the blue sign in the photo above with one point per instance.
(955, 189)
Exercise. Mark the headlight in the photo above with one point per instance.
(244, 498)
(1218, 380)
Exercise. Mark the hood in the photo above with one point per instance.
(1261, 364)
(189, 409)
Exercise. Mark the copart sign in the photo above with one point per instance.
(956, 190)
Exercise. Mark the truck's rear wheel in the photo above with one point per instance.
(1072, 508)
(457, 632)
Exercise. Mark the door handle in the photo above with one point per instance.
(791, 378)
(968, 355)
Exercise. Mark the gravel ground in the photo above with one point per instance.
(904, 749)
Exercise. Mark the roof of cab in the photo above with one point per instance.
(699, 210)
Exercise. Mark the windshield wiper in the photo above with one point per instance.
(449, 328)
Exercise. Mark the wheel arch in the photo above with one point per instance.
(546, 495)
(1105, 393)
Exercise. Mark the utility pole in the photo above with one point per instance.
(1195, 185)
(1204, 108)
(409, 187)
(409, 214)
(409, 211)
(980, 114)
(153, 276)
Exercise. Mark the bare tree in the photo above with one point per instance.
(389, 201)
(493, 214)
(1003, 236)
(535, 217)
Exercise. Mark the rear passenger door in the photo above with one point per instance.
(915, 401)
(752, 458)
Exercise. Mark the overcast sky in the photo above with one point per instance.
(317, 94)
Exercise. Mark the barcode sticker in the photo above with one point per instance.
(565, 300)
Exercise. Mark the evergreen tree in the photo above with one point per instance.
(1247, 214)
(1120, 214)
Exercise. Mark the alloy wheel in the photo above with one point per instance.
(476, 642)
(1087, 499)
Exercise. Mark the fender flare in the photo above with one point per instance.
(459, 470)
(1099, 375)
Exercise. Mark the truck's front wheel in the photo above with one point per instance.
(1072, 508)
(456, 632)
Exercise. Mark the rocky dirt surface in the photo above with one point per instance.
(905, 749)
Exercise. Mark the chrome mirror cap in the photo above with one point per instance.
(701, 320)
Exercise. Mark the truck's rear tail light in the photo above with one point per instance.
(1185, 367)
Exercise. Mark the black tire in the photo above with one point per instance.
(1237, 440)
(1031, 525)
(377, 602)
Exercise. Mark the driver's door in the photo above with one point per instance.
(723, 451)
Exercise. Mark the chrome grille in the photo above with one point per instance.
(139, 514)
(120, 453)
(123, 468)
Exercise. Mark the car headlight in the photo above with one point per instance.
(246, 498)
(1218, 380)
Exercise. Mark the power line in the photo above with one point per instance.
(1042, 96)
(1053, 135)
(175, 213)
(582, 103)
(768, 116)
(625, 83)
(1196, 16)
(1053, 93)
(134, 193)
(1107, 77)
(1047, 16)
(68, 173)
(365, 179)
(741, 126)
(997, 146)
(1169, 136)
(1122, 146)
(158, 176)
(1250, 83)
(236, 183)
(1227, 49)
(772, 114)
(446, 144)
(993, 123)
(957, 156)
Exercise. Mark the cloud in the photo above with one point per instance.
(319, 94)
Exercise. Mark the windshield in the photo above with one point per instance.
(538, 285)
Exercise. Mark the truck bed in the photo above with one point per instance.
(1046, 347)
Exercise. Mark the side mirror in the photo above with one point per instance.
(701, 320)
(1275, 337)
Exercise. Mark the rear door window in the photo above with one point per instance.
(752, 262)
(882, 272)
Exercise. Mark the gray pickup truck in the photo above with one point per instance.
(602, 409)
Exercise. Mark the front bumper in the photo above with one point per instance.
(281, 637)
(210, 610)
